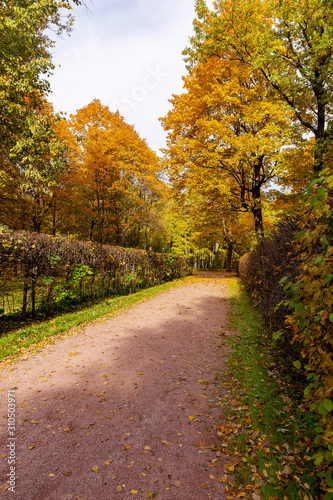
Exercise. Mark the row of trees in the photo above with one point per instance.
(91, 175)
(259, 81)
(254, 117)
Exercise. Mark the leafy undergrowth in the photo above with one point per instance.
(268, 430)
(35, 336)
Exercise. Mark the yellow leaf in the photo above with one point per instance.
(95, 468)
(140, 373)
(108, 461)
(232, 468)
(134, 492)
(191, 418)
(31, 447)
(51, 475)
(127, 446)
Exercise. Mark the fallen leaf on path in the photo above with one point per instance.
(119, 489)
(127, 446)
(31, 447)
(134, 492)
(67, 473)
(130, 465)
(95, 468)
(108, 461)
(51, 475)
(176, 483)
(4, 487)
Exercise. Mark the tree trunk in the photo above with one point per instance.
(91, 229)
(258, 222)
(229, 257)
(54, 210)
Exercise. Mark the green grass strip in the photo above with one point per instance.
(13, 343)
(273, 441)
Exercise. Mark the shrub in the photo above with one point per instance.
(311, 317)
(262, 270)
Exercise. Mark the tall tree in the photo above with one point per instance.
(27, 194)
(288, 42)
(226, 129)
(25, 61)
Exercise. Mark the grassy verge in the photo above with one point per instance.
(35, 336)
(269, 430)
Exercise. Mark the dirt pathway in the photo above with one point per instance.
(125, 409)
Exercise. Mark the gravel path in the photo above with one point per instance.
(127, 408)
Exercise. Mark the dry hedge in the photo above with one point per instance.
(262, 270)
(38, 271)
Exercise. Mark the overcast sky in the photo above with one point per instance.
(127, 54)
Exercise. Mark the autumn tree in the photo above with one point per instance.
(228, 130)
(25, 60)
(27, 140)
(27, 193)
(112, 182)
(287, 42)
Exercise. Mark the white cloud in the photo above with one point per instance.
(127, 53)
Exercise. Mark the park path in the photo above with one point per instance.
(127, 407)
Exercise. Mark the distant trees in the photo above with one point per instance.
(90, 176)
(111, 186)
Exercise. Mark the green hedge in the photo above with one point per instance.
(290, 277)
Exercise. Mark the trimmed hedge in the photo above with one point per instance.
(261, 272)
(40, 272)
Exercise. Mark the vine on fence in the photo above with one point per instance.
(39, 272)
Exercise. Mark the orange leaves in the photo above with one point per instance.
(112, 169)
